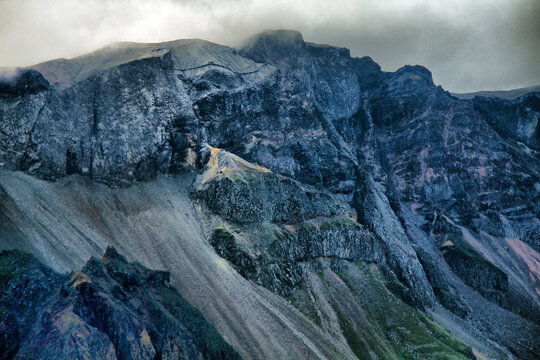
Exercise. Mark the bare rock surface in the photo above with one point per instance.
(110, 309)
(305, 161)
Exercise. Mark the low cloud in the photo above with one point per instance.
(8, 73)
(468, 45)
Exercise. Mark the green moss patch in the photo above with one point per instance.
(475, 270)
(301, 300)
(13, 263)
(397, 329)
(225, 245)
(340, 223)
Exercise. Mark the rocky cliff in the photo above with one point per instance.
(110, 309)
(310, 174)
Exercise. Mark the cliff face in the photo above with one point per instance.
(317, 161)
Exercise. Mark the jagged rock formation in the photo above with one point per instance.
(111, 309)
(25, 285)
(328, 164)
(475, 271)
(244, 193)
(517, 119)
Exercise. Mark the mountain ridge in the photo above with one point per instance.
(506, 94)
(374, 179)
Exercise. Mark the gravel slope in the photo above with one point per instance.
(156, 224)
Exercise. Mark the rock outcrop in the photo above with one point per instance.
(247, 193)
(25, 285)
(474, 269)
(517, 119)
(111, 309)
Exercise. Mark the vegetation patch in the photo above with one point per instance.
(356, 342)
(475, 270)
(395, 330)
(13, 263)
(302, 301)
(395, 286)
(340, 223)
(225, 245)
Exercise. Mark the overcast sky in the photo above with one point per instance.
(469, 45)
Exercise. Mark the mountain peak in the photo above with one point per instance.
(279, 36)
(273, 45)
(417, 70)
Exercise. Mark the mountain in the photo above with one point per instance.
(505, 94)
(308, 204)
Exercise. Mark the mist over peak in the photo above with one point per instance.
(469, 46)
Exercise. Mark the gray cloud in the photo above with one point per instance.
(468, 45)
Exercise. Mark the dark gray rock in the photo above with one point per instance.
(517, 119)
(25, 286)
(445, 293)
(22, 83)
(280, 263)
(475, 270)
(374, 210)
(111, 309)
(267, 197)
